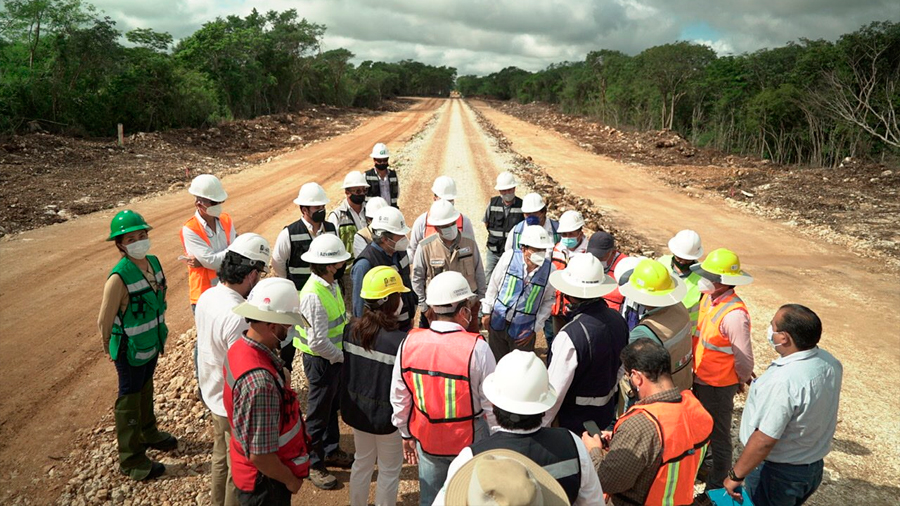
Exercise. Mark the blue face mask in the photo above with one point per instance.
(532, 220)
(570, 242)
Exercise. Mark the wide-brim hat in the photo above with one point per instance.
(742, 278)
(564, 282)
(458, 486)
(252, 312)
(661, 298)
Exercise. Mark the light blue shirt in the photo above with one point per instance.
(796, 402)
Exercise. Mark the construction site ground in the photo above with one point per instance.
(57, 441)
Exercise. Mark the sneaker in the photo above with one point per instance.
(321, 478)
(339, 458)
(166, 445)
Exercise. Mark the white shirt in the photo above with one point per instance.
(358, 218)
(493, 289)
(418, 232)
(384, 185)
(218, 327)
(548, 226)
(359, 244)
(589, 493)
(419, 271)
(317, 333)
(281, 253)
(482, 363)
(209, 255)
(561, 372)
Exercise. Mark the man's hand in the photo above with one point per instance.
(742, 386)
(192, 262)
(591, 442)
(731, 487)
(485, 321)
(294, 486)
(409, 451)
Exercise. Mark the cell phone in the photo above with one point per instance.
(592, 428)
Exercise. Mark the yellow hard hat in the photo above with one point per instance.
(723, 266)
(380, 282)
(652, 285)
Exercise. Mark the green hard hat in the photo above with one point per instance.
(126, 221)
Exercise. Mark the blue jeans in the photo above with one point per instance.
(774, 484)
(433, 469)
(322, 406)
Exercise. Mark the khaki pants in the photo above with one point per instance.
(224, 493)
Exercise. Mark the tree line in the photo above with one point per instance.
(64, 66)
(810, 102)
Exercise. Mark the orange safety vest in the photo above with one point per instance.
(683, 429)
(713, 354)
(431, 229)
(435, 368)
(614, 299)
(200, 278)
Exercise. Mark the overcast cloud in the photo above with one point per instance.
(480, 37)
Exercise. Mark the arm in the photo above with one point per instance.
(196, 247)
(233, 328)
(509, 239)
(641, 331)
(281, 253)
(757, 449)
(736, 326)
(114, 294)
(401, 399)
(333, 219)
(549, 297)
(493, 286)
(360, 267)
(416, 235)
(270, 465)
(468, 229)
(359, 244)
(418, 278)
(485, 363)
(633, 450)
(480, 285)
(317, 333)
(561, 372)
(590, 493)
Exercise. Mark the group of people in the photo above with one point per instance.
(429, 354)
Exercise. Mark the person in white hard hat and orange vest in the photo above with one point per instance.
(603, 246)
(382, 180)
(686, 251)
(363, 236)
(572, 240)
(723, 353)
(269, 444)
(443, 188)
(321, 342)
(518, 299)
(348, 219)
(504, 211)
(206, 235)
(436, 394)
(218, 327)
(520, 392)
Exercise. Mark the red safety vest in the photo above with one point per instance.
(200, 278)
(430, 229)
(713, 354)
(435, 368)
(293, 440)
(683, 429)
(614, 299)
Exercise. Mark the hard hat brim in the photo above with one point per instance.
(135, 228)
(545, 245)
(311, 259)
(680, 254)
(662, 299)
(492, 392)
(532, 209)
(744, 278)
(564, 230)
(441, 223)
(301, 202)
(248, 310)
(583, 291)
(500, 187)
(370, 296)
(403, 231)
(218, 197)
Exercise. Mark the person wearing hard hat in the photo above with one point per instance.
(655, 450)
(503, 477)
(572, 240)
(268, 448)
(218, 327)
(371, 342)
(631, 310)
(517, 301)
(364, 235)
(585, 356)
(437, 384)
(382, 180)
(444, 187)
(321, 342)
(723, 353)
(133, 331)
(534, 209)
(603, 246)
(504, 211)
(348, 219)
(388, 248)
(206, 235)
(446, 250)
(686, 251)
(520, 391)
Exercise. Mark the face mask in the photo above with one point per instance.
(449, 233)
(537, 258)
(399, 308)
(357, 199)
(339, 273)
(318, 216)
(284, 335)
(706, 286)
(770, 335)
(683, 267)
(402, 244)
(214, 211)
(138, 249)
(570, 242)
(468, 318)
(532, 220)
(508, 197)
(381, 166)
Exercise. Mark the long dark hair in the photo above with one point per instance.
(364, 330)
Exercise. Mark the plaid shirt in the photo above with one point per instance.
(257, 407)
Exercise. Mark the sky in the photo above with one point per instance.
(481, 37)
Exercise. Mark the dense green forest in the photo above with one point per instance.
(65, 66)
(811, 102)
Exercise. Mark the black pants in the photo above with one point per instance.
(324, 380)
(287, 354)
(132, 378)
(266, 492)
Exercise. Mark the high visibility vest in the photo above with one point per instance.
(560, 258)
(683, 429)
(521, 297)
(517, 232)
(672, 326)
(142, 325)
(435, 367)
(431, 229)
(692, 298)
(201, 279)
(501, 218)
(293, 440)
(346, 229)
(375, 185)
(713, 354)
(300, 237)
(366, 379)
(334, 308)
(439, 258)
(614, 299)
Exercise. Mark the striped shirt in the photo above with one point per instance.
(257, 407)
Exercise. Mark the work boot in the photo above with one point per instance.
(321, 478)
(339, 458)
(150, 434)
(156, 470)
(133, 460)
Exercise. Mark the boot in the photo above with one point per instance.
(133, 462)
(150, 434)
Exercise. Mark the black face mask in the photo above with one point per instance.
(340, 272)
(683, 267)
(381, 166)
(357, 199)
(318, 216)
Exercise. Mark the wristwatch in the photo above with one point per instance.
(734, 477)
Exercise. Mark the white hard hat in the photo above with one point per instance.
(273, 300)
(447, 288)
(208, 187)
(354, 179)
(536, 237)
(380, 150)
(532, 203)
(583, 278)
(444, 187)
(505, 181)
(390, 219)
(373, 205)
(311, 194)
(520, 384)
(442, 213)
(570, 221)
(625, 266)
(252, 246)
(686, 245)
(326, 249)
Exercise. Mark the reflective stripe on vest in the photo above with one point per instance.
(334, 308)
(597, 401)
(713, 353)
(377, 356)
(512, 297)
(201, 279)
(346, 231)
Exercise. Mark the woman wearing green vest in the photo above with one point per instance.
(133, 331)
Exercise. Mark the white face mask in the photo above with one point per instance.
(706, 286)
(399, 308)
(401, 244)
(138, 249)
(508, 197)
(214, 211)
(770, 335)
(537, 258)
(449, 233)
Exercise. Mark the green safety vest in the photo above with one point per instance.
(334, 308)
(346, 230)
(691, 299)
(142, 326)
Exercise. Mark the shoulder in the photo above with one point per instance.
(428, 240)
